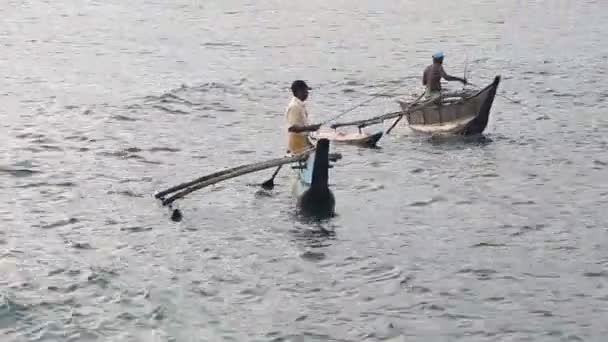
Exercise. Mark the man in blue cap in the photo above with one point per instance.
(434, 73)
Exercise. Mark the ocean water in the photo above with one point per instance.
(106, 102)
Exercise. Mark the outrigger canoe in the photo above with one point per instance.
(465, 113)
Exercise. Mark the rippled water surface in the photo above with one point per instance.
(106, 102)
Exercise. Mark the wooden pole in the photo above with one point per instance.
(366, 122)
(162, 194)
(380, 118)
(236, 172)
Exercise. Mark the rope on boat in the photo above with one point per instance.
(373, 97)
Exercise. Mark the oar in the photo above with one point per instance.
(269, 184)
(388, 131)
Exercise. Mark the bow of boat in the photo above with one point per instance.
(311, 186)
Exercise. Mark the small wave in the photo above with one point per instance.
(225, 278)
(222, 44)
(528, 202)
(205, 292)
(163, 149)
(19, 172)
(61, 223)
(170, 110)
(427, 203)
(45, 184)
(80, 245)
(542, 276)
(50, 147)
(602, 274)
(30, 136)
(312, 256)
(481, 274)
(172, 98)
(544, 313)
(380, 273)
(153, 162)
(77, 138)
(527, 228)
(136, 229)
(123, 118)
(120, 154)
(419, 289)
(488, 244)
(100, 276)
(67, 289)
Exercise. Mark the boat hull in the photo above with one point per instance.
(310, 186)
(467, 115)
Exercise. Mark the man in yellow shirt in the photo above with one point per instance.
(297, 119)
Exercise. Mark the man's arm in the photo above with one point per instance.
(452, 78)
(300, 128)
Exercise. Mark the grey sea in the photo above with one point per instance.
(103, 103)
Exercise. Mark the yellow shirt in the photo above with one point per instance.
(296, 114)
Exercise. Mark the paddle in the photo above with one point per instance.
(388, 131)
(269, 184)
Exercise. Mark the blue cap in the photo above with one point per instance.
(438, 54)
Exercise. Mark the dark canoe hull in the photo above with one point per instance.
(360, 139)
(311, 186)
(468, 115)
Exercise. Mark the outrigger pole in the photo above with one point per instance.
(220, 176)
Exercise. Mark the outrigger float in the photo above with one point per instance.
(311, 189)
